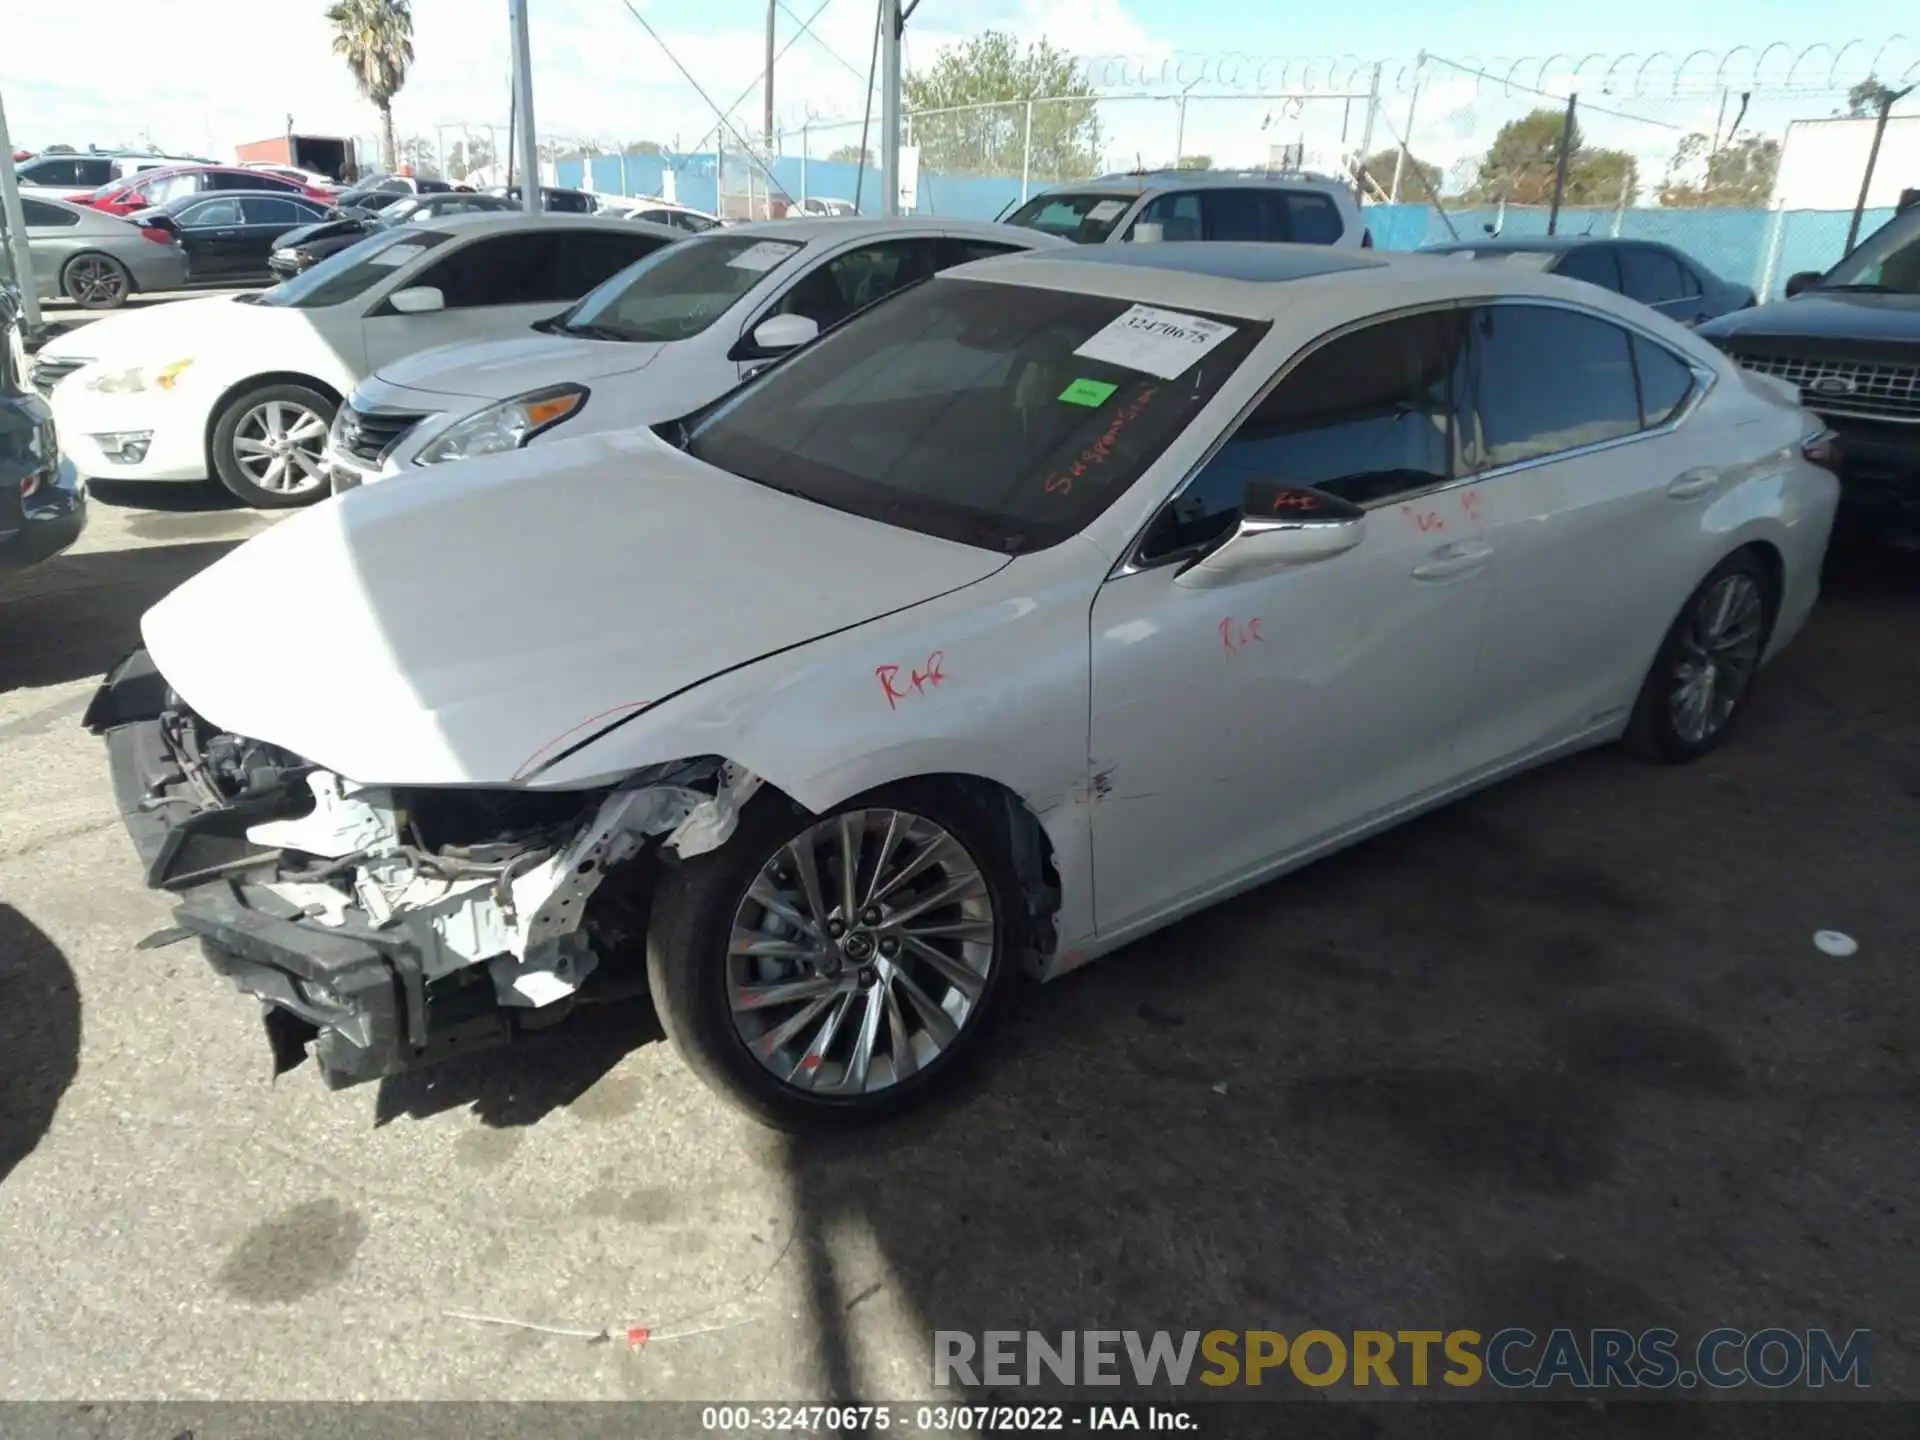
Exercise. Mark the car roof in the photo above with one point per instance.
(1266, 280)
(1144, 182)
(490, 220)
(856, 227)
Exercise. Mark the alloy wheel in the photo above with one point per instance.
(95, 280)
(1718, 652)
(860, 952)
(278, 446)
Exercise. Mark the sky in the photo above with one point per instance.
(207, 74)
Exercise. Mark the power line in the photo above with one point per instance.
(806, 29)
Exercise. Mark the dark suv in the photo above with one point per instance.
(1850, 340)
(43, 504)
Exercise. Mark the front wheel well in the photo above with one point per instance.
(259, 382)
(1775, 567)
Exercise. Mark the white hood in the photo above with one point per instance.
(501, 368)
(465, 630)
(180, 328)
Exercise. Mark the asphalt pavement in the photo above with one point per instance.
(1564, 1054)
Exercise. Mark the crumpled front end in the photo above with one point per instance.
(387, 927)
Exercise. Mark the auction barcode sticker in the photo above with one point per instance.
(1158, 342)
(764, 256)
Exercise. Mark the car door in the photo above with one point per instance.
(50, 231)
(843, 283)
(1585, 471)
(267, 217)
(1245, 722)
(213, 233)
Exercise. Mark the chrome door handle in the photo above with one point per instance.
(1689, 483)
(1451, 560)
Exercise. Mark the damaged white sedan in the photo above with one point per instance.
(1029, 611)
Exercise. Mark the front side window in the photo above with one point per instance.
(1085, 218)
(52, 172)
(1595, 264)
(1650, 276)
(983, 413)
(1310, 219)
(1368, 416)
(521, 269)
(271, 210)
(1169, 217)
(1548, 380)
(352, 272)
(1237, 215)
(1887, 260)
(206, 216)
(855, 279)
(680, 289)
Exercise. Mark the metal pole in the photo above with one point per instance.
(1620, 210)
(1026, 153)
(805, 146)
(767, 127)
(1180, 130)
(1400, 160)
(17, 232)
(1560, 163)
(1873, 159)
(1366, 138)
(523, 107)
(720, 175)
(626, 186)
(890, 107)
(1776, 231)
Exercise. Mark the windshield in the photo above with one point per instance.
(678, 290)
(354, 270)
(1087, 219)
(1888, 260)
(1001, 416)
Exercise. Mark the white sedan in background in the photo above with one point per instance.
(244, 387)
(1048, 602)
(653, 342)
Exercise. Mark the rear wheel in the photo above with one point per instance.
(96, 282)
(1700, 679)
(268, 445)
(821, 971)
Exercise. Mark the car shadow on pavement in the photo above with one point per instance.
(165, 497)
(39, 1035)
(524, 1082)
(77, 614)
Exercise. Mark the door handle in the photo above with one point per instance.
(1689, 483)
(1450, 560)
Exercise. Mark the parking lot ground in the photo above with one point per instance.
(1564, 1054)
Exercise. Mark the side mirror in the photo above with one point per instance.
(1804, 280)
(783, 332)
(1279, 525)
(418, 300)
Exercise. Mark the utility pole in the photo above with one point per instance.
(1400, 160)
(17, 233)
(769, 107)
(1873, 158)
(890, 24)
(523, 107)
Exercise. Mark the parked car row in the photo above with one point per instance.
(822, 622)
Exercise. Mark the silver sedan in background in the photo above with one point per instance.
(94, 259)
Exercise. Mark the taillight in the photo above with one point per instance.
(29, 485)
(156, 234)
(1366, 239)
(1823, 449)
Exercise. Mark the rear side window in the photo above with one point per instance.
(271, 210)
(40, 215)
(1548, 380)
(1595, 264)
(591, 257)
(1650, 276)
(1666, 382)
(1367, 416)
(1236, 215)
(1307, 218)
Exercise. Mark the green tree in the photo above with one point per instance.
(1740, 173)
(1867, 97)
(1520, 164)
(852, 155)
(1379, 167)
(1194, 162)
(992, 72)
(375, 38)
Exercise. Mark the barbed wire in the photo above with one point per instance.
(1774, 67)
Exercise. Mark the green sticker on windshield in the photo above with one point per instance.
(1088, 392)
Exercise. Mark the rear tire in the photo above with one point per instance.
(715, 954)
(1704, 672)
(267, 446)
(96, 282)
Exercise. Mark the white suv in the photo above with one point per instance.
(1288, 206)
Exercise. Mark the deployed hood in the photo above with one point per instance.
(1829, 316)
(501, 368)
(460, 630)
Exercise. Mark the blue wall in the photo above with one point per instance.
(1733, 243)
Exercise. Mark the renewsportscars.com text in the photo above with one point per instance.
(1509, 1359)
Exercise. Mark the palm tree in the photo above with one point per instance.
(375, 38)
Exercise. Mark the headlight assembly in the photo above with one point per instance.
(506, 426)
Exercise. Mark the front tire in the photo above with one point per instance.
(1701, 678)
(268, 443)
(96, 282)
(827, 971)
